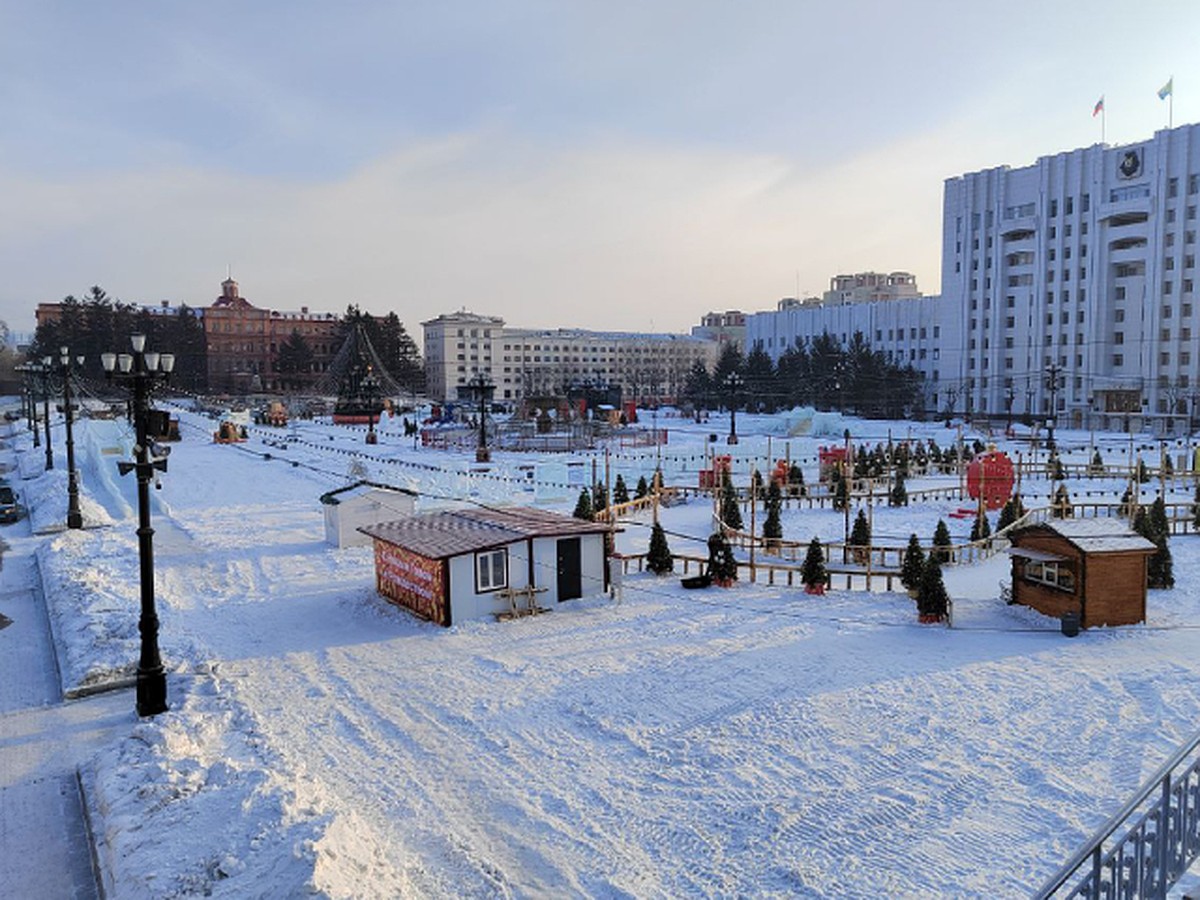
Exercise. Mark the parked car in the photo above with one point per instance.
(9, 511)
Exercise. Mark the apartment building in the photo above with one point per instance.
(530, 362)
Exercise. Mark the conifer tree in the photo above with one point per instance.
(620, 491)
(932, 599)
(941, 542)
(899, 494)
(721, 564)
(980, 529)
(812, 572)
(757, 480)
(841, 493)
(1143, 474)
(773, 527)
(1060, 506)
(860, 536)
(583, 509)
(599, 497)
(1168, 467)
(1161, 568)
(659, 559)
(1096, 466)
(1013, 510)
(796, 481)
(1055, 468)
(1126, 506)
(642, 488)
(913, 564)
(731, 512)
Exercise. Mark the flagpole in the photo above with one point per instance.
(1103, 124)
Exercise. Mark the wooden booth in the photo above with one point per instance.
(453, 566)
(1093, 567)
(362, 503)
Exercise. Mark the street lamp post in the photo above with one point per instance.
(481, 388)
(26, 370)
(74, 517)
(1009, 396)
(370, 389)
(43, 373)
(1053, 372)
(142, 370)
(733, 383)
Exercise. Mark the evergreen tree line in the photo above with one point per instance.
(99, 323)
(820, 372)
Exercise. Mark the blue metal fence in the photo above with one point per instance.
(1147, 845)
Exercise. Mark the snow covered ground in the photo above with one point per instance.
(753, 740)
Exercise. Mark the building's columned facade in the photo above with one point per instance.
(527, 362)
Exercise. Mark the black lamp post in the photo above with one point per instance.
(26, 370)
(1053, 374)
(370, 391)
(733, 384)
(1009, 396)
(74, 517)
(481, 388)
(142, 370)
(42, 370)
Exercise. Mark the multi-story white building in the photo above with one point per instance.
(727, 327)
(1077, 272)
(527, 362)
(866, 287)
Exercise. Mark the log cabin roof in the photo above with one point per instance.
(1101, 535)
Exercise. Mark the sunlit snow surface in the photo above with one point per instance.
(749, 741)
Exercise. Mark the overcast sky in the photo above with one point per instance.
(603, 165)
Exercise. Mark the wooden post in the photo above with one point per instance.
(753, 510)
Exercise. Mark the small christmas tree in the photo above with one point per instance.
(913, 564)
(1096, 466)
(1060, 506)
(841, 492)
(721, 564)
(583, 509)
(1143, 474)
(932, 599)
(642, 488)
(1054, 468)
(620, 492)
(599, 497)
(773, 527)
(899, 494)
(1012, 512)
(812, 572)
(659, 559)
(757, 481)
(1126, 507)
(796, 481)
(941, 542)
(860, 538)
(1168, 467)
(1160, 570)
(980, 529)
(731, 512)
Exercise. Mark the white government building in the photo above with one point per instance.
(529, 362)
(1081, 266)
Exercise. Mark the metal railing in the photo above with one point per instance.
(1159, 839)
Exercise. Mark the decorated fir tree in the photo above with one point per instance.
(773, 527)
(899, 493)
(812, 572)
(599, 497)
(1161, 568)
(620, 491)
(722, 567)
(796, 480)
(659, 559)
(913, 564)
(1012, 512)
(941, 542)
(1096, 466)
(932, 599)
(841, 492)
(583, 509)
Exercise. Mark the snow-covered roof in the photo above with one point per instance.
(357, 489)
(439, 535)
(1099, 535)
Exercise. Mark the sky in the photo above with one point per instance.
(613, 166)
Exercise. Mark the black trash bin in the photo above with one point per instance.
(1070, 624)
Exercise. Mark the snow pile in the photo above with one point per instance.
(90, 580)
(195, 803)
(46, 499)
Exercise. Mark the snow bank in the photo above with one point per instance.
(195, 803)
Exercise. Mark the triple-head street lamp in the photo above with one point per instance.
(74, 517)
(26, 370)
(142, 371)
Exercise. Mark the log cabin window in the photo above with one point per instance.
(491, 570)
(1053, 574)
